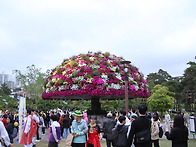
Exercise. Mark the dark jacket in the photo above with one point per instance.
(108, 125)
(179, 137)
(10, 128)
(140, 124)
(66, 122)
(120, 132)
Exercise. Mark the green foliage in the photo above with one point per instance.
(189, 80)
(160, 100)
(4, 90)
(108, 105)
(32, 82)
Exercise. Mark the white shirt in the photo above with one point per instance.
(4, 134)
(28, 124)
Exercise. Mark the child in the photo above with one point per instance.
(120, 132)
(55, 132)
(93, 133)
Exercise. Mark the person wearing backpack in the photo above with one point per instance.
(155, 131)
(108, 125)
(10, 128)
(120, 131)
(141, 129)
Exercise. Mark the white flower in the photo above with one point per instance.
(80, 78)
(74, 87)
(104, 77)
(136, 87)
(61, 88)
(114, 86)
(130, 79)
(94, 66)
(91, 58)
(118, 76)
(64, 72)
(47, 90)
(54, 80)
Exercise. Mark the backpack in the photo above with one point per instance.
(143, 136)
(160, 132)
(121, 136)
(14, 133)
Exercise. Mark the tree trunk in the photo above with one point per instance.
(95, 105)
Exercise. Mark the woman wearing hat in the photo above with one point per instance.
(93, 133)
(79, 128)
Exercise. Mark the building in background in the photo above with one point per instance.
(8, 80)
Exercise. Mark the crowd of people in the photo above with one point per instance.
(137, 128)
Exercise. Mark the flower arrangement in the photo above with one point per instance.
(94, 74)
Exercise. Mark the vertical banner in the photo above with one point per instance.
(22, 109)
(193, 124)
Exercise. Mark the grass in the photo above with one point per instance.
(162, 142)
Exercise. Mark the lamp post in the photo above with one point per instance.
(126, 69)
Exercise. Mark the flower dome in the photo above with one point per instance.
(94, 74)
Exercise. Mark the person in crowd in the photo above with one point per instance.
(149, 115)
(29, 130)
(43, 115)
(186, 119)
(155, 131)
(15, 119)
(61, 123)
(141, 129)
(108, 125)
(47, 119)
(5, 120)
(167, 119)
(42, 124)
(179, 132)
(133, 114)
(85, 116)
(4, 135)
(120, 132)
(55, 132)
(123, 113)
(94, 133)
(10, 128)
(79, 129)
(66, 125)
(36, 117)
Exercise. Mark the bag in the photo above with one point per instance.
(14, 133)
(121, 136)
(160, 132)
(69, 139)
(40, 122)
(143, 136)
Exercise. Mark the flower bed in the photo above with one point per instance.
(94, 74)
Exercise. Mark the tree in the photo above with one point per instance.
(189, 84)
(157, 78)
(32, 82)
(161, 99)
(4, 90)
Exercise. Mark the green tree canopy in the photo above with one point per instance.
(161, 99)
(4, 90)
(32, 82)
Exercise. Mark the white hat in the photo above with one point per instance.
(109, 114)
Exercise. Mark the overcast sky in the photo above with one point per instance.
(152, 34)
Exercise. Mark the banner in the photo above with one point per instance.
(22, 110)
(192, 124)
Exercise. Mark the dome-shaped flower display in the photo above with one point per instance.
(94, 74)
